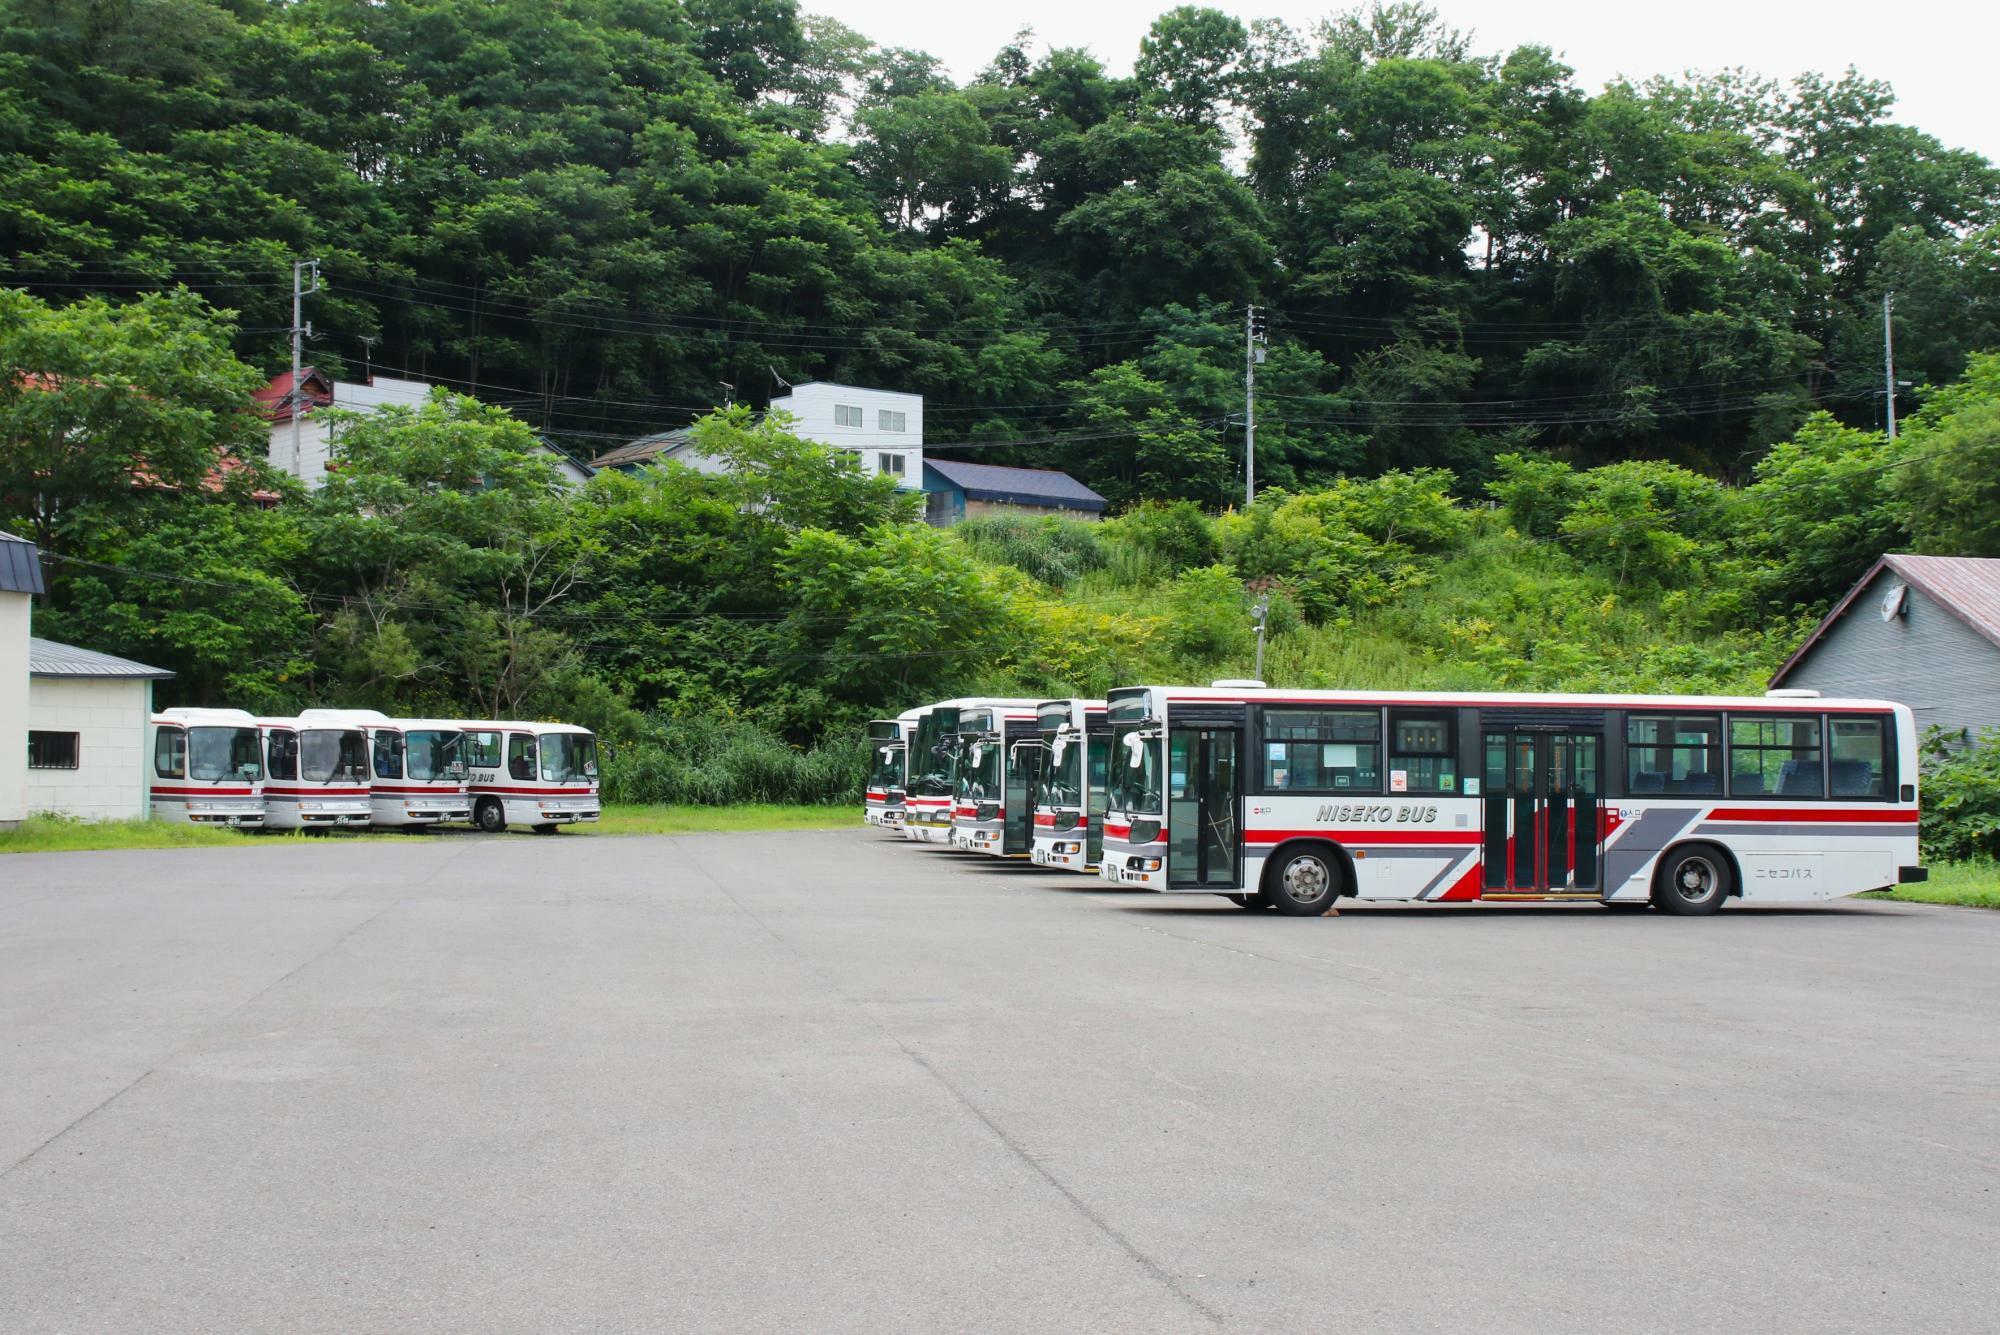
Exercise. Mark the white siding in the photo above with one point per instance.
(315, 447)
(14, 613)
(814, 409)
(108, 714)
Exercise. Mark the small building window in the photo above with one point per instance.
(889, 463)
(843, 415)
(54, 750)
(888, 421)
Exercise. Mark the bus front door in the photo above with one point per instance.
(1204, 840)
(1024, 775)
(1097, 780)
(1543, 831)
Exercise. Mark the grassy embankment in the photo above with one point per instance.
(1974, 884)
(42, 834)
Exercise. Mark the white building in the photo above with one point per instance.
(87, 716)
(304, 454)
(20, 581)
(883, 426)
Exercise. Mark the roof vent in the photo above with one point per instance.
(1237, 684)
(1791, 693)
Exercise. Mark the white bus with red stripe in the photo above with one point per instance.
(888, 761)
(1070, 799)
(208, 767)
(541, 775)
(315, 775)
(1292, 799)
(417, 766)
(999, 768)
(934, 755)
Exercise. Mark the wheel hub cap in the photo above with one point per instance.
(1305, 880)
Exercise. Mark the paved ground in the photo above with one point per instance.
(832, 1082)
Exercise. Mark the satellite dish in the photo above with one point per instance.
(1896, 602)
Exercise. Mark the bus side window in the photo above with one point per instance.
(484, 748)
(388, 755)
(521, 755)
(284, 755)
(1858, 765)
(170, 753)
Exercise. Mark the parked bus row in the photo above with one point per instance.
(1292, 800)
(347, 768)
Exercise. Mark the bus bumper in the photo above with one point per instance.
(1064, 854)
(1144, 870)
(1911, 875)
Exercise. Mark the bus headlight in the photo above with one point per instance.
(1145, 832)
(1144, 864)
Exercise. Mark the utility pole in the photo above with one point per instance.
(1253, 353)
(1263, 615)
(1889, 362)
(300, 331)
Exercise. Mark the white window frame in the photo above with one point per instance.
(887, 420)
(892, 463)
(848, 415)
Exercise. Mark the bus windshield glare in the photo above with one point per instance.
(431, 756)
(1135, 770)
(325, 755)
(568, 757)
(224, 753)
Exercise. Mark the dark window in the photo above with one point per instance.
(170, 753)
(1322, 751)
(388, 755)
(54, 750)
(1775, 757)
(521, 755)
(281, 754)
(889, 463)
(1420, 748)
(1858, 766)
(1678, 754)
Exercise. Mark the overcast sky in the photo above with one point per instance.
(1940, 57)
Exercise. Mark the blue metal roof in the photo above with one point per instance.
(1020, 486)
(20, 565)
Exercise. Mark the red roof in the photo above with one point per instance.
(1968, 587)
(277, 396)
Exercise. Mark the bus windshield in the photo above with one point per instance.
(568, 757)
(931, 754)
(1135, 770)
(1062, 780)
(326, 754)
(224, 753)
(431, 756)
(888, 768)
(979, 773)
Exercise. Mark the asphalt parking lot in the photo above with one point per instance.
(833, 1082)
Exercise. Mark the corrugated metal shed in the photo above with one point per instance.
(20, 566)
(1020, 486)
(1968, 587)
(645, 450)
(46, 658)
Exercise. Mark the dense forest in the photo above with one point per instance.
(1562, 389)
(598, 213)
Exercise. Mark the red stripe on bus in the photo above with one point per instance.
(1047, 822)
(204, 792)
(878, 795)
(1781, 815)
(534, 792)
(315, 792)
(1467, 887)
(435, 790)
(1641, 704)
(1363, 838)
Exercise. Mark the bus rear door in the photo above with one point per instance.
(1542, 804)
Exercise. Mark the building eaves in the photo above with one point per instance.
(47, 658)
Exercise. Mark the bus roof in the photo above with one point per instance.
(1475, 699)
(189, 717)
(518, 725)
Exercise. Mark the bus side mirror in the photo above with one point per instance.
(1135, 750)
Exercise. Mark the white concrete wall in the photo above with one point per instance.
(309, 465)
(108, 714)
(812, 407)
(315, 446)
(14, 614)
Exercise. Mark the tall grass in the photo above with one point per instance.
(710, 762)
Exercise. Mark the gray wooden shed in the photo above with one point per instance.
(1923, 630)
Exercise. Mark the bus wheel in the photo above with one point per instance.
(1693, 880)
(490, 816)
(1303, 883)
(1260, 900)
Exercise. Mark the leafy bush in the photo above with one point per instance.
(1208, 615)
(711, 762)
(1170, 535)
(1054, 551)
(1961, 799)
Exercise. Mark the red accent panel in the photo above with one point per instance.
(1466, 887)
(432, 791)
(204, 792)
(1459, 838)
(1046, 822)
(1112, 831)
(878, 795)
(315, 792)
(1874, 816)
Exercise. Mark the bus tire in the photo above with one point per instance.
(1693, 881)
(1303, 880)
(1260, 900)
(489, 815)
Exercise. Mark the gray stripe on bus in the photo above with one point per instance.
(1632, 846)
